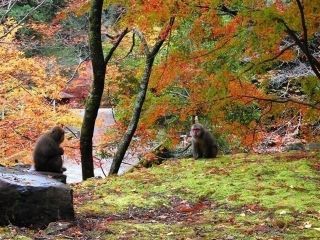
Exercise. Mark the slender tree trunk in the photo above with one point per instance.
(126, 139)
(94, 99)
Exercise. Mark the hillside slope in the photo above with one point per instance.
(231, 197)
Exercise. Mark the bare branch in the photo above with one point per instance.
(315, 65)
(22, 20)
(305, 36)
(10, 6)
(162, 37)
(176, 93)
(132, 45)
(77, 68)
(282, 100)
(303, 23)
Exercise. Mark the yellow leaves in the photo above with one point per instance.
(27, 87)
(8, 26)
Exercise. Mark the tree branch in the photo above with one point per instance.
(270, 59)
(10, 6)
(77, 68)
(115, 45)
(22, 20)
(284, 100)
(305, 35)
(132, 45)
(315, 65)
(224, 8)
(303, 23)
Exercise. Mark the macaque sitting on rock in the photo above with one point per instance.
(204, 145)
(47, 153)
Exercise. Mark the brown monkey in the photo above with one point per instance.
(204, 144)
(47, 152)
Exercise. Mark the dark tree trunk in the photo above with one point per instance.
(99, 70)
(126, 139)
(93, 102)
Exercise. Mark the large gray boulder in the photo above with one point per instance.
(29, 198)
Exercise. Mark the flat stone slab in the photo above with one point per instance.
(29, 198)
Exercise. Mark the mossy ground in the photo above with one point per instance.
(230, 197)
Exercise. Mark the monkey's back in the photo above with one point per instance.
(208, 145)
(45, 149)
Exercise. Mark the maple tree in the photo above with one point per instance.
(218, 64)
(216, 51)
(29, 88)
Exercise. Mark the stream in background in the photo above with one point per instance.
(104, 120)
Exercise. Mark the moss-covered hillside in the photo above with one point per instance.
(231, 197)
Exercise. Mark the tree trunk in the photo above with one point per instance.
(99, 65)
(126, 139)
(94, 99)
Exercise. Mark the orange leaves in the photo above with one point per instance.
(227, 30)
(280, 6)
(287, 56)
(45, 30)
(157, 111)
(198, 32)
(79, 7)
(152, 6)
(243, 90)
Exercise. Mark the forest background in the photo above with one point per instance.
(248, 69)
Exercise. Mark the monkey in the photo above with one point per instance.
(204, 145)
(47, 152)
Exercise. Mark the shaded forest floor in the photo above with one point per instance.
(232, 197)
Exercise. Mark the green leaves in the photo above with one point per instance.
(243, 114)
(311, 87)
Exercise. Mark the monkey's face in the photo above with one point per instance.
(196, 131)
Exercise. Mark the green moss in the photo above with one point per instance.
(271, 183)
(256, 195)
(249, 196)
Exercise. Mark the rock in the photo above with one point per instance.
(55, 227)
(313, 147)
(295, 146)
(57, 176)
(28, 198)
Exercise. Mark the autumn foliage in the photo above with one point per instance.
(28, 89)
